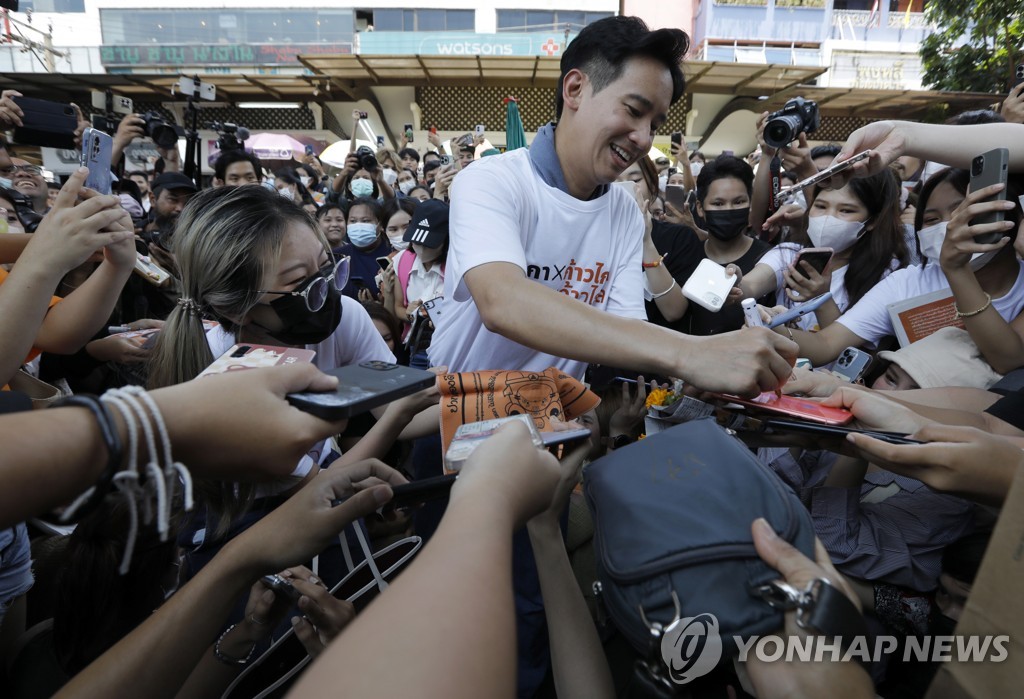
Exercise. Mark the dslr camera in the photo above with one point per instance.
(229, 136)
(785, 125)
(163, 134)
(367, 159)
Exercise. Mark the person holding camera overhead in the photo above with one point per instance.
(362, 175)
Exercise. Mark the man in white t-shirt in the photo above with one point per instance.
(534, 233)
(545, 266)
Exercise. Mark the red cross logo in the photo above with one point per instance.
(550, 47)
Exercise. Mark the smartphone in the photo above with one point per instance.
(800, 311)
(309, 150)
(794, 407)
(46, 123)
(363, 115)
(554, 439)
(433, 308)
(118, 104)
(817, 430)
(677, 139)
(380, 141)
(358, 282)
(852, 364)
(817, 258)
(383, 262)
(97, 150)
(281, 586)
(478, 130)
(675, 194)
(149, 270)
(433, 130)
(251, 356)
(407, 128)
(988, 169)
(822, 175)
(410, 495)
(362, 387)
(446, 160)
(1018, 75)
(709, 285)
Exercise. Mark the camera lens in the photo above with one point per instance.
(978, 165)
(782, 130)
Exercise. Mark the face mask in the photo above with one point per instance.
(287, 193)
(361, 187)
(695, 168)
(397, 243)
(303, 326)
(662, 182)
(305, 180)
(931, 238)
(831, 232)
(407, 186)
(269, 184)
(390, 176)
(727, 224)
(362, 235)
(4, 182)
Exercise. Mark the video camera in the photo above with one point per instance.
(229, 136)
(367, 158)
(784, 126)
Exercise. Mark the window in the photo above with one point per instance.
(224, 26)
(52, 6)
(416, 20)
(542, 21)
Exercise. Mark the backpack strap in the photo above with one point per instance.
(403, 268)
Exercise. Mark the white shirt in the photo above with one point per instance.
(424, 284)
(869, 318)
(503, 212)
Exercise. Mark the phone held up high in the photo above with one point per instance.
(97, 150)
(988, 169)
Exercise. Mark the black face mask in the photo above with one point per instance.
(303, 326)
(726, 225)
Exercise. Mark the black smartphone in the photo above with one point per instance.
(677, 138)
(554, 439)
(46, 123)
(1018, 75)
(383, 262)
(362, 387)
(675, 194)
(814, 429)
(416, 493)
(358, 282)
(817, 258)
(988, 169)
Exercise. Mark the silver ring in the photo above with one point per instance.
(253, 619)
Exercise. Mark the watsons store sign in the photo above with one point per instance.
(462, 43)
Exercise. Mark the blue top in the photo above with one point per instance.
(363, 265)
(545, 161)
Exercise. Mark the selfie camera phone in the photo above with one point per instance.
(479, 129)
(675, 194)
(709, 285)
(97, 150)
(1018, 75)
(798, 312)
(407, 128)
(380, 141)
(851, 364)
(817, 258)
(361, 388)
(677, 138)
(988, 169)
(446, 160)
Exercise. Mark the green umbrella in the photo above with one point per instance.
(515, 135)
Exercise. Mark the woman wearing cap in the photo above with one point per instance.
(417, 275)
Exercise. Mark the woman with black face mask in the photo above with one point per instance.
(724, 186)
(258, 268)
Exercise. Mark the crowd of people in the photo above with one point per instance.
(136, 528)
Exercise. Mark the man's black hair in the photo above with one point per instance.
(133, 173)
(829, 149)
(230, 157)
(432, 165)
(409, 153)
(602, 49)
(721, 167)
(432, 154)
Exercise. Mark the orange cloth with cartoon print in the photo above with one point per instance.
(54, 300)
(486, 395)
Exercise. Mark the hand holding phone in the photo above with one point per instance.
(989, 169)
(821, 176)
(709, 285)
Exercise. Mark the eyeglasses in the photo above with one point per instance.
(315, 289)
(27, 169)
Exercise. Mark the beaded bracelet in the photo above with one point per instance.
(91, 499)
(960, 315)
(227, 659)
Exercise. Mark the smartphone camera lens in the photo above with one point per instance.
(978, 165)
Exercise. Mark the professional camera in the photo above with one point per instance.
(163, 134)
(230, 136)
(367, 159)
(785, 125)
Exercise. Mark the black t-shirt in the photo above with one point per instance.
(684, 252)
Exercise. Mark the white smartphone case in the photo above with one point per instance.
(709, 285)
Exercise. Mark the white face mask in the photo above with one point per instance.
(931, 238)
(831, 232)
(695, 168)
(407, 186)
(397, 243)
(305, 181)
(662, 182)
(390, 176)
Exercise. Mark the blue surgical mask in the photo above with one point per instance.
(361, 187)
(362, 235)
